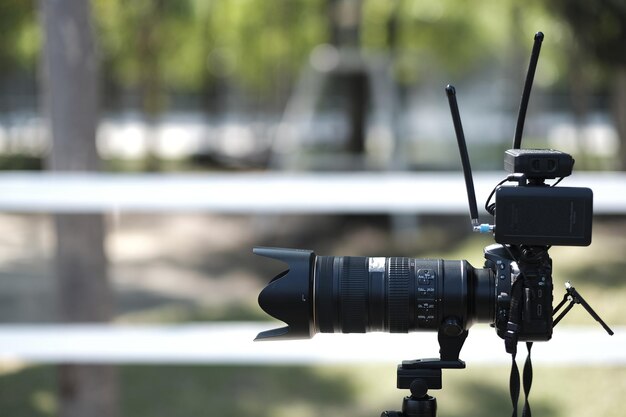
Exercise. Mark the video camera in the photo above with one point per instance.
(513, 291)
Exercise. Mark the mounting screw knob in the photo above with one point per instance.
(452, 327)
(418, 388)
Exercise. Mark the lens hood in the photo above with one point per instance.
(289, 296)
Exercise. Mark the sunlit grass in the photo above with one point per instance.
(353, 391)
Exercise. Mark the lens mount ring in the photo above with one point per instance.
(313, 300)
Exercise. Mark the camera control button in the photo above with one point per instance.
(425, 291)
(425, 276)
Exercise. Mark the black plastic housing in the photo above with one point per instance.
(538, 163)
(544, 216)
(289, 296)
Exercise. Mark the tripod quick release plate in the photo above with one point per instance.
(428, 370)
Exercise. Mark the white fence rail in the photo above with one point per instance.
(267, 193)
(233, 343)
(273, 193)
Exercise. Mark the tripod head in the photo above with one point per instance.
(420, 375)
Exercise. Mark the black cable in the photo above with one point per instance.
(508, 250)
(510, 340)
(491, 208)
(528, 381)
(557, 181)
(514, 384)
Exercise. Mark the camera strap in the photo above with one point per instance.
(510, 341)
(527, 379)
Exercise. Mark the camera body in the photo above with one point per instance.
(530, 218)
(528, 318)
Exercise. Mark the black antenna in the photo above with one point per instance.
(528, 85)
(467, 169)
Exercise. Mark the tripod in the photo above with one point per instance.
(420, 375)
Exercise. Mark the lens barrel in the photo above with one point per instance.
(344, 294)
(398, 295)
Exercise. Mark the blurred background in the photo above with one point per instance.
(198, 88)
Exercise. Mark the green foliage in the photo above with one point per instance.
(185, 44)
(144, 43)
(261, 45)
(599, 25)
(459, 37)
(19, 34)
(157, 46)
(264, 39)
(19, 162)
(138, 34)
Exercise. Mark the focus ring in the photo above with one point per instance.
(354, 291)
(398, 295)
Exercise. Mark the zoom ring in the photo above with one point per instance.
(354, 291)
(398, 295)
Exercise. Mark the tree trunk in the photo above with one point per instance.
(357, 91)
(70, 86)
(150, 79)
(345, 33)
(345, 22)
(579, 100)
(619, 104)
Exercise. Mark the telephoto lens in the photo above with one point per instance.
(346, 294)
